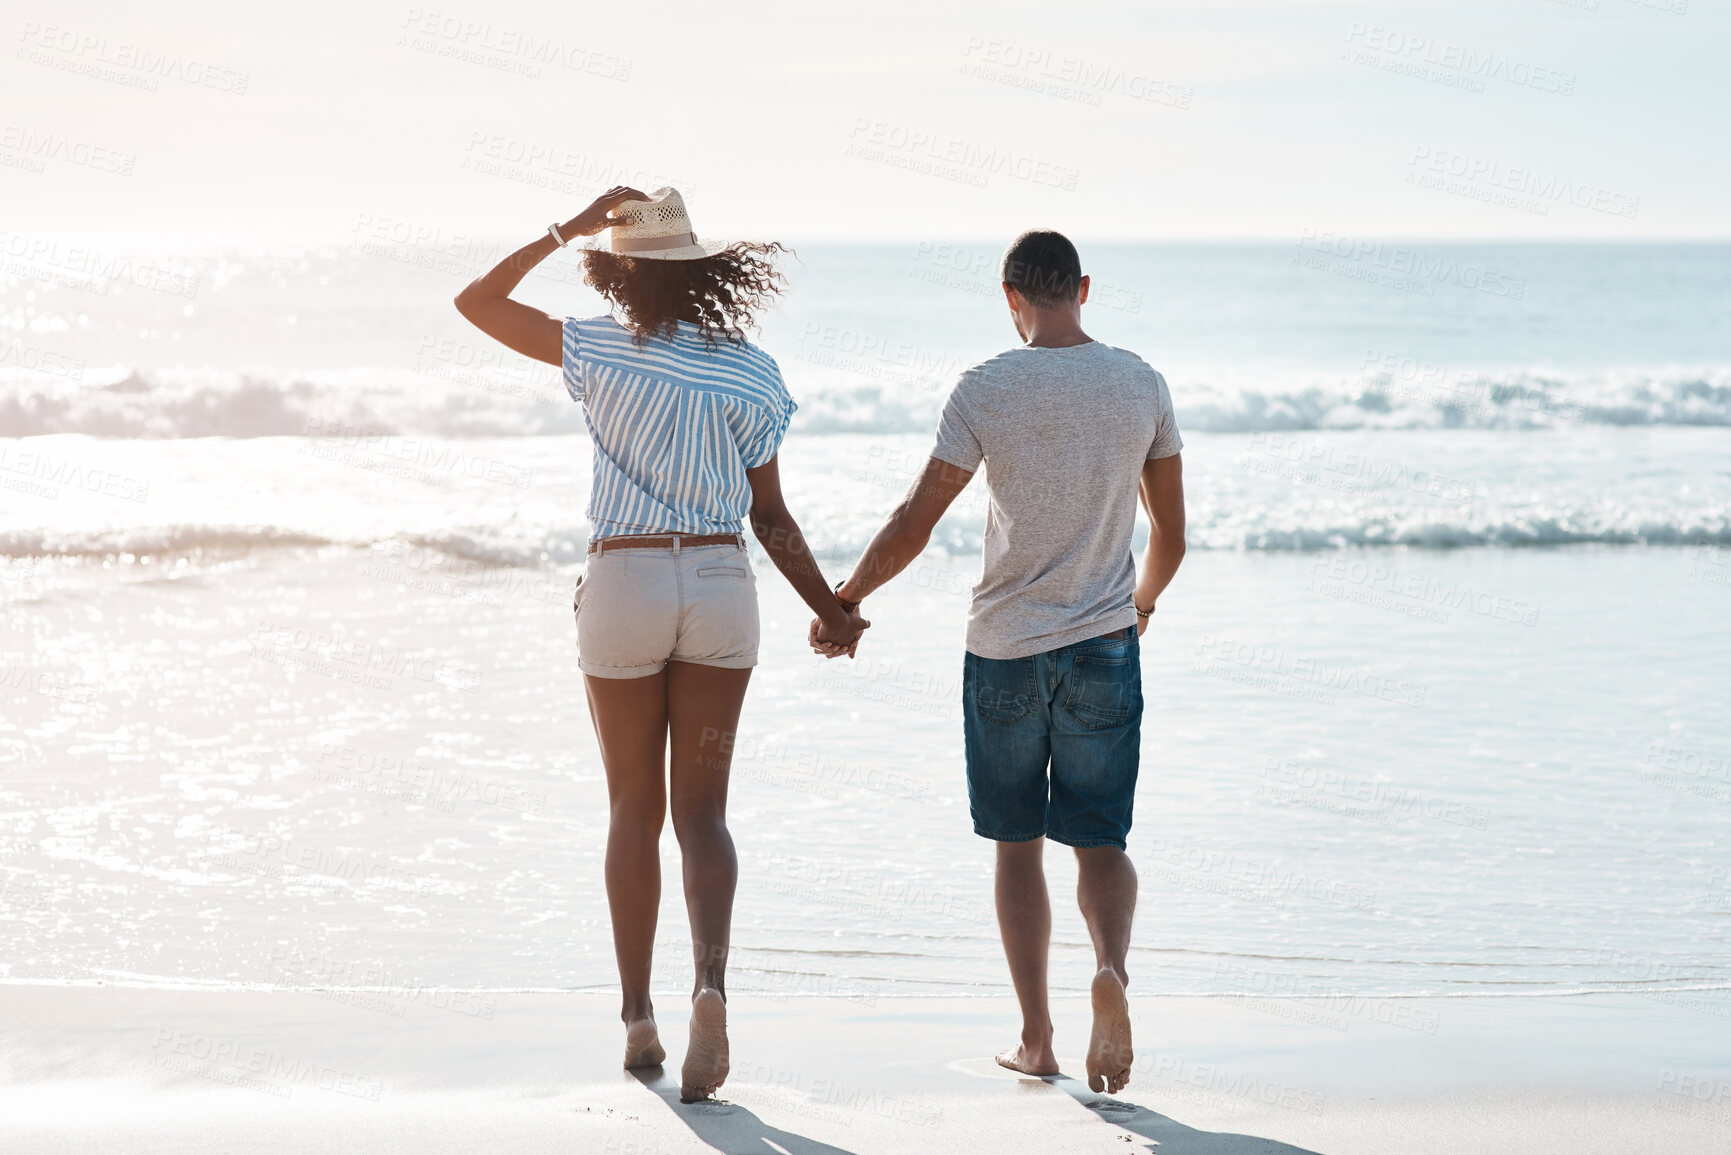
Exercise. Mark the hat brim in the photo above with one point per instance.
(695, 252)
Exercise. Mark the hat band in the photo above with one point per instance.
(621, 244)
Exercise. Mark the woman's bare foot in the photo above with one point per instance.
(643, 1044)
(705, 1066)
(1109, 1054)
(1030, 1058)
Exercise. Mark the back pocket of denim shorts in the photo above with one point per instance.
(726, 570)
(1104, 691)
(1002, 690)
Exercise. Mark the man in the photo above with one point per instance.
(1069, 430)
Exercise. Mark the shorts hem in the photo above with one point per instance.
(736, 662)
(596, 669)
(1010, 837)
(1088, 843)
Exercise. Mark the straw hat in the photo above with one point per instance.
(658, 229)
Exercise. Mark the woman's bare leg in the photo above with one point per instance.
(630, 716)
(703, 704)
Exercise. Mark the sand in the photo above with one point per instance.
(148, 1070)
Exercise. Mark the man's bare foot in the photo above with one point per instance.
(1109, 1054)
(705, 1066)
(643, 1044)
(1029, 1059)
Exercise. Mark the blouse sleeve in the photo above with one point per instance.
(570, 358)
(762, 440)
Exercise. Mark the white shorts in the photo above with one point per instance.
(638, 609)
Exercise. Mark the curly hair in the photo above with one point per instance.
(720, 295)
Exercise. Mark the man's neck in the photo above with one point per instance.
(1056, 331)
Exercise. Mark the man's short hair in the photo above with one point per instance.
(1044, 268)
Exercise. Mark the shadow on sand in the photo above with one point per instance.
(1173, 1137)
(730, 1127)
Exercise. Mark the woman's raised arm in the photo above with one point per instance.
(487, 303)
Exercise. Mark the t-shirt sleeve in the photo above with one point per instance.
(1166, 439)
(957, 443)
(762, 438)
(571, 357)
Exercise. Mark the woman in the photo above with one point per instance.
(687, 418)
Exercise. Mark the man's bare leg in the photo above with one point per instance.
(1106, 892)
(1025, 922)
(630, 716)
(703, 704)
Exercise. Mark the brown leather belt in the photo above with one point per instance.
(665, 541)
(1115, 634)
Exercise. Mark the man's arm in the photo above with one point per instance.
(909, 528)
(1162, 489)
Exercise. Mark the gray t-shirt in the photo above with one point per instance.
(1064, 434)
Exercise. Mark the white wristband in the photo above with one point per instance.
(553, 230)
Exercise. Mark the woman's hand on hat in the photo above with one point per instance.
(599, 216)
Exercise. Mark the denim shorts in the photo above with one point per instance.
(1053, 742)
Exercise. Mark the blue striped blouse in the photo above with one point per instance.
(675, 425)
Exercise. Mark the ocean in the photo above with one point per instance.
(1436, 706)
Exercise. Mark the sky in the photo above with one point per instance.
(1600, 119)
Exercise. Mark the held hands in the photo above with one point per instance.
(598, 215)
(839, 636)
